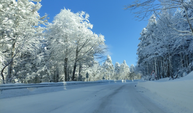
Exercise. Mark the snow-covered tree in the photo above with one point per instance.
(72, 42)
(116, 71)
(108, 68)
(20, 31)
(95, 72)
(142, 9)
(169, 54)
(124, 71)
(132, 68)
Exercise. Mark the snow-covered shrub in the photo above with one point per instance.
(180, 73)
(32, 78)
(190, 67)
(146, 77)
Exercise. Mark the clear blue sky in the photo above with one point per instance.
(120, 28)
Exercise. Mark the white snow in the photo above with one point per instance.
(176, 95)
(99, 98)
(15, 90)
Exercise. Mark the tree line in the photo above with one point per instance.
(166, 43)
(32, 50)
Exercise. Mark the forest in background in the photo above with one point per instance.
(166, 43)
(32, 50)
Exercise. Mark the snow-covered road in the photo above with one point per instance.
(102, 98)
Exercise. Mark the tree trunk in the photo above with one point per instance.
(74, 70)
(10, 67)
(155, 60)
(187, 59)
(181, 59)
(68, 73)
(5, 67)
(80, 69)
(55, 77)
(161, 69)
(75, 63)
(147, 69)
(57, 73)
(165, 67)
(2, 74)
(65, 68)
(158, 67)
(170, 66)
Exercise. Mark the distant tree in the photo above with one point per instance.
(132, 68)
(108, 68)
(116, 71)
(95, 72)
(124, 71)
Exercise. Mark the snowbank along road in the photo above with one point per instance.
(101, 98)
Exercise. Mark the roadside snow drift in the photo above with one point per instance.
(176, 95)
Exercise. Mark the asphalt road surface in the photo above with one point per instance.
(101, 98)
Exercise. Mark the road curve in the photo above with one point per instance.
(106, 98)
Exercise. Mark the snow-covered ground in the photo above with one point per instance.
(162, 96)
(174, 95)
(99, 98)
(19, 89)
